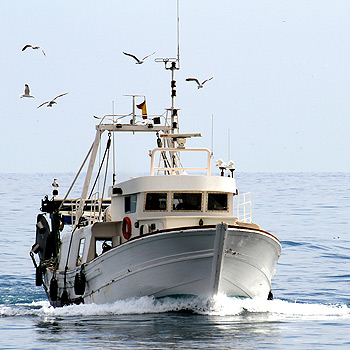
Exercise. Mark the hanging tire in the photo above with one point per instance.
(270, 296)
(79, 283)
(38, 276)
(53, 291)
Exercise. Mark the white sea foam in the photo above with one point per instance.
(219, 306)
(223, 306)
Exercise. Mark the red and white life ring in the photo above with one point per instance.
(126, 227)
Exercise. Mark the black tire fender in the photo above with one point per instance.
(53, 291)
(38, 276)
(79, 283)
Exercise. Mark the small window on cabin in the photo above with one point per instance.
(187, 201)
(130, 203)
(156, 201)
(80, 251)
(217, 202)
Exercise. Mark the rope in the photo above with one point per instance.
(76, 177)
(105, 181)
(81, 217)
(99, 170)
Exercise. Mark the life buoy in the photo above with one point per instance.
(126, 228)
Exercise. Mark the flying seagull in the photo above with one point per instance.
(200, 85)
(34, 48)
(26, 92)
(138, 61)
(52, 102)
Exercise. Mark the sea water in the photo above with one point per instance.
(308, 212)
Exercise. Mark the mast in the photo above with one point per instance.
(178, 33)
(172, 64)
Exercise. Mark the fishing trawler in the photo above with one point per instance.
(183, 229)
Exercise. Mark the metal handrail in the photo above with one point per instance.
(173, 169)
(93, 214)
(244, 202)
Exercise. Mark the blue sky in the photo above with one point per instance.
(281, 80)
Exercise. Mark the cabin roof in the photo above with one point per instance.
(192, 183)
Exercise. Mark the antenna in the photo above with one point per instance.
(228, 144)
(113, 145)
(173, 64)
(178, 34)
(212, 136)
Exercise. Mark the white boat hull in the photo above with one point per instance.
(200, 261)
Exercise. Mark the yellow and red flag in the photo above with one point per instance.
(144, 109)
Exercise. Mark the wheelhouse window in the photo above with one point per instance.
(217, 202)
(187, 201)
(80, 251)
(130, 203)
(156, 201)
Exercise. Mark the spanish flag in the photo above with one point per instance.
(144, 109)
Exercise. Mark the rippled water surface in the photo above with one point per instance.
(308, 212)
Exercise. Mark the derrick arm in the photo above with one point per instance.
(89, 172)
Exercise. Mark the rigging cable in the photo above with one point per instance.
(76, 177)
(81, 217)
(113, 145)
(99, 170)
(105, 180)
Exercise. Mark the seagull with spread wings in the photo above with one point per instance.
(52, 102)
(138, 61)
(200, 85)
(26, 92)
(34, 48)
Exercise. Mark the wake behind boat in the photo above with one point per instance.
(181, 230)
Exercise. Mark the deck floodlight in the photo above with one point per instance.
(181, 142)
(221, 165)
(231, 167)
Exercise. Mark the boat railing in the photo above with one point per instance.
(91, 211)
(95, 207)
(75, 204)
(174, 167)
(244, 207)
(137, 119)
